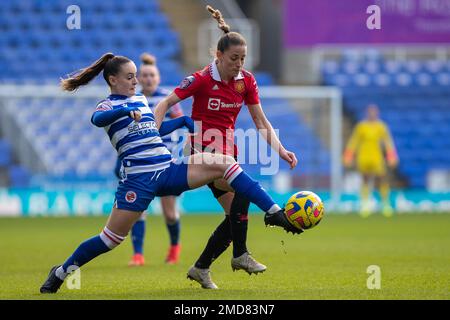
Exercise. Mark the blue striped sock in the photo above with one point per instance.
(251, 189)
(137, 236)
(85, 252)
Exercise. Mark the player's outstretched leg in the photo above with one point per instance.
(88, 250)
(120, 220)
(199, 175)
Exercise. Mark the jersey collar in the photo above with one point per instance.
(214, 72)
(117, 97)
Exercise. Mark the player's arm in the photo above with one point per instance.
(391, 152)
(176, 111)
(266, 130)
(187, 88)
(163, 106)
(351, 147)
(172, 125)
(104, 114)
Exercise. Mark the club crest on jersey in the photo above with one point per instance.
(131, 196)
(187, 82)
(239, 86)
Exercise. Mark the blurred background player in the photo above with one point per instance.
(149, 79)
(369, 140)
(226, 82)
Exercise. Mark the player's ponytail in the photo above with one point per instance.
(216, 14)
(147, 59)
(229, 38)
(108, 63)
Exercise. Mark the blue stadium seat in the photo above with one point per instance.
(264, 78)
(414, 100)
(33, 28)
(5, 153)
(19, 177)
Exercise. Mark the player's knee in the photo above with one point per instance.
(216, 191)
(225, 163)
(229, 160)
(171, 217)
(111, 239)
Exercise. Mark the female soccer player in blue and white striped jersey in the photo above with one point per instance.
(149, 170)
(149, 79)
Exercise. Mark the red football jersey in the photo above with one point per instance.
(217, 104)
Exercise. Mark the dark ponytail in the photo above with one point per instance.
(108, 63)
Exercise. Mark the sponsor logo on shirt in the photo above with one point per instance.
(216, 104)
(213, 104)
(142, 127)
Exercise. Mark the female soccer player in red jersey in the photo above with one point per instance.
(219, 91)
(149, 170)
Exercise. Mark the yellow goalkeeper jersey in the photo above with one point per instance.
(367, 141)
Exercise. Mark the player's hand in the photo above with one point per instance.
(348, 162)
(392, 159)
(392, 163)
(289, 157)
(348, 159)
(136, 115)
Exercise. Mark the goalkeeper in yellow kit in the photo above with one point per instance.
(371, 142)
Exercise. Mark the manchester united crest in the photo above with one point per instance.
(239, 86)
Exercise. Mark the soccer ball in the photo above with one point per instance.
(304, 210)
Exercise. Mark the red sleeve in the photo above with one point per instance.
(252, 95)
(189, 86)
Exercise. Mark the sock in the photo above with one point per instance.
(384, 193)
(239, 224)
(365, 194)
(137, 236)
(89, 249)
(218, 242)
(251, 189)
(174, 232)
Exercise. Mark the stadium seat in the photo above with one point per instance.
(19, 177)
(31, 28)
(413, 97)
(5, 153)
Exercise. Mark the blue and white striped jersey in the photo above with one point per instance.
(175, 111)
(139, 145)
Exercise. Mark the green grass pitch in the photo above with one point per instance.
(328, 262)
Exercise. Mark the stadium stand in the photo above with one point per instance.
(38, 48)
(414, 100)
